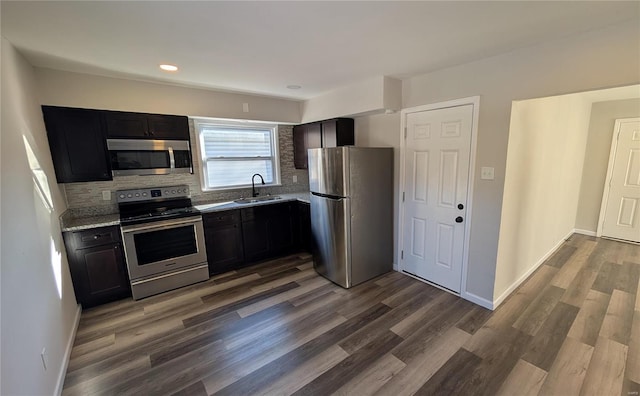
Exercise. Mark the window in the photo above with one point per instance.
(232, 151)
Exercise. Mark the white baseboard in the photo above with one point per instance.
(67, 352)
(534, 267)
(585, 232)
(483, 302)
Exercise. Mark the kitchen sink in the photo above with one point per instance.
(257, 199)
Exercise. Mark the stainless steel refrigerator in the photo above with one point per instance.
(351, 212)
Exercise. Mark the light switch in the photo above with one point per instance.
(106, 195)
(486, 173)
(295, 178)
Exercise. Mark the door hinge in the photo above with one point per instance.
(405, 132)
(403, 196)
(402, 255)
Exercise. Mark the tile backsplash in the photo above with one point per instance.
(86, 198)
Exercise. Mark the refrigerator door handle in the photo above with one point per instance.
(331, 197)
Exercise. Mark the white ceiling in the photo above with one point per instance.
(261, 47)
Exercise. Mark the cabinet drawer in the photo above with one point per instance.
(95, 237)
(221, 218)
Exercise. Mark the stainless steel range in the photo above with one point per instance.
(163, 239)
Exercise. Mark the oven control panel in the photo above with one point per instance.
(147, 194)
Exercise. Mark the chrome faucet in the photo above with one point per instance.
(253, 185)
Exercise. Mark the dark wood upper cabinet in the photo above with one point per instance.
(127, 125)
(77, 144)
(299, 147)
(168, 126)
(329, 133)
(338, 132)
(313, 136)
(77, 138)
(305, 136)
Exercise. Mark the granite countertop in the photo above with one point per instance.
(70, 223)
(227, 205)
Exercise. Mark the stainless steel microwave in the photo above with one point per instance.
(149, 157)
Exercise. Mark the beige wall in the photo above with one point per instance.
(547, 140)
(383, 130)
(603, 117)
(575, 64)
(59, 88)
(38, 304)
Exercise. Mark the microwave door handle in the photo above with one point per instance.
(172, 159)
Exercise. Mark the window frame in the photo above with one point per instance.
(201, 123)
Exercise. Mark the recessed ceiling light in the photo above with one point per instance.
(294, 86)
(171, 68)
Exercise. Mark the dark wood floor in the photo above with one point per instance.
(277, 328)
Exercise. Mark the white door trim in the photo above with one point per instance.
(607, 182)
(475, 101)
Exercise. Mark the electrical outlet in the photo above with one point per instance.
(44, 356)
(106, 195)
(486, 173)
(245, 107)
(295, 178)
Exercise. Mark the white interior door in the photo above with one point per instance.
(621, 202)
(436, 176)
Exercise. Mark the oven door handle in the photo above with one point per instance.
(145, 227)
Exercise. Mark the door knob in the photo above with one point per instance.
(460, 206)
(459, 219)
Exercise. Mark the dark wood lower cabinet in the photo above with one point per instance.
(304, 226)
(240, 237)
(223, 237)
(98, 269)
(267, 230)
(255, 235)
(233, 238)
(281, 228)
